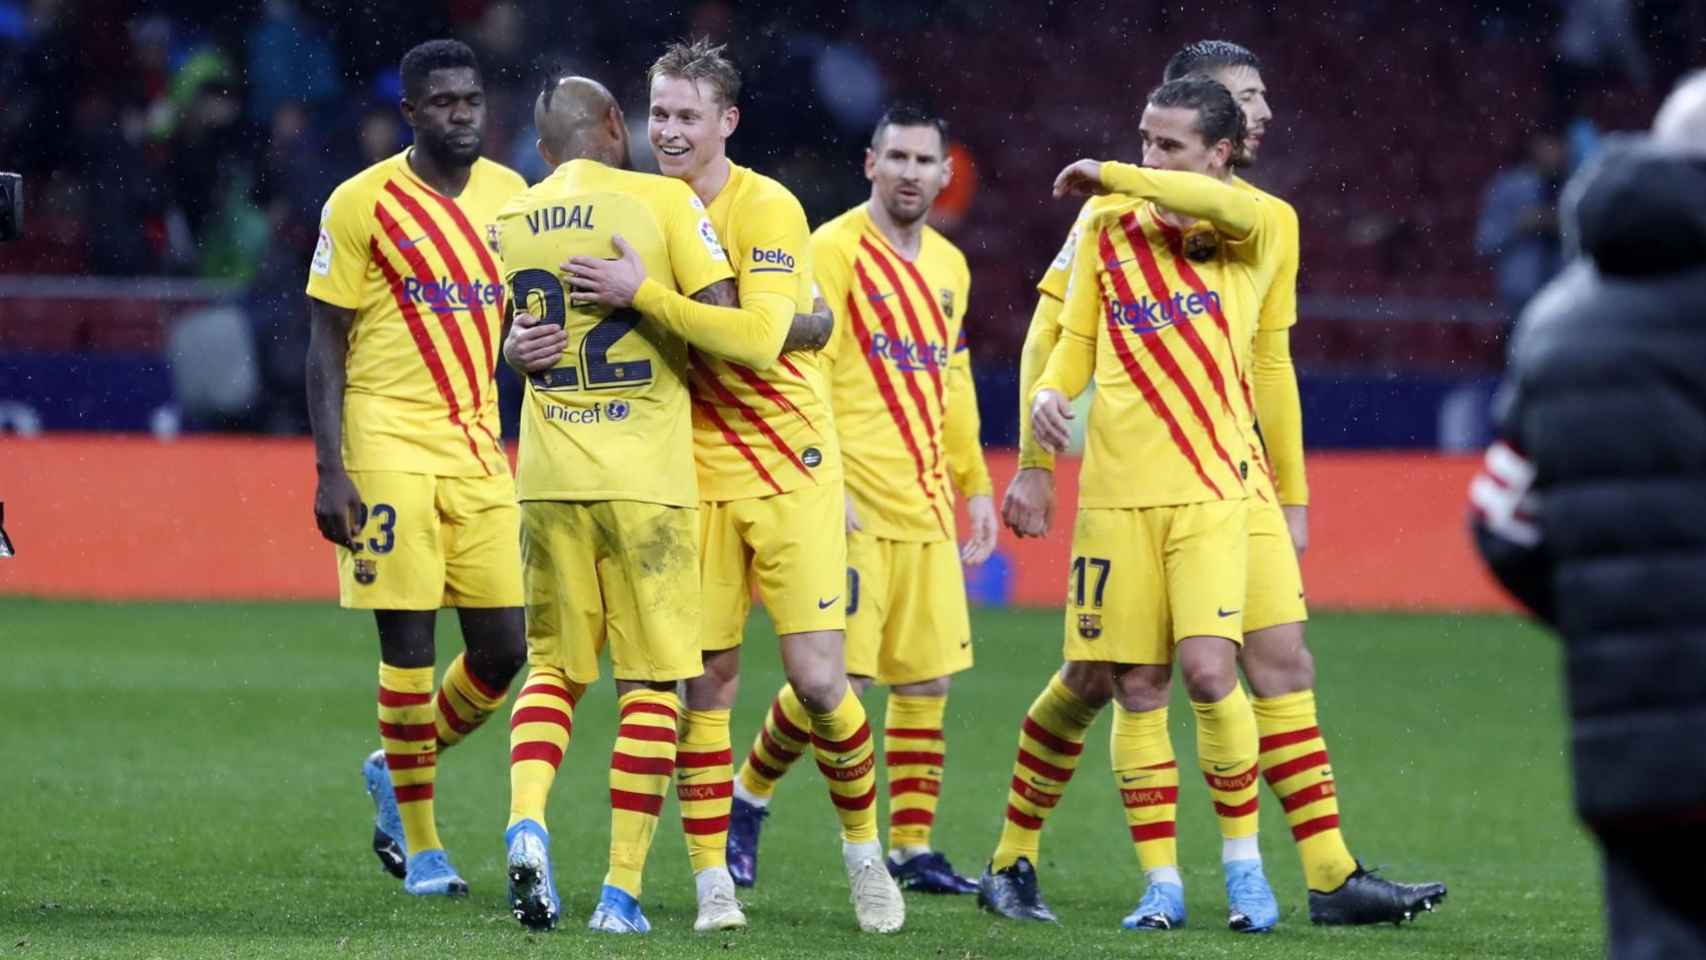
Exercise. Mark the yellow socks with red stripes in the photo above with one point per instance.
(463, 703)
(539, 728)
(641, 767)
(1226, 752)
(410, 739)
(913, 747)
(1294, 761)
(1141, 753)
(779, 743)
(841, 740)
(704, 784)
(1050, 741)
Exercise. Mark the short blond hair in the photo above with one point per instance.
(697, 61)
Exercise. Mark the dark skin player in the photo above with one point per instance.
(448, 116)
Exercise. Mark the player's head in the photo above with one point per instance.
(1192, 124)
(1237, 69)
(694, 95)
(577, 118)
(907, 162)
(444, 101)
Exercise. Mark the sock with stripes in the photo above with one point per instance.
(704, 784)
(1050, 740)
(641, 766)
(1294, 761)
(410, 739)
(913, 747)
(779, 743)
(463, 703)
(1141, 752)
(1226, 752)
(841, 739)
(539, 728)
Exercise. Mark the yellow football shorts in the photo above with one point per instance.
(1141, 580)
(792, 545)
(1274, 594)
(429, 542)
(906, 610)
(612, 572)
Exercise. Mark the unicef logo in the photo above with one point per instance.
(616, 410)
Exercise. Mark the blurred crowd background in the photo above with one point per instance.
(176, 156)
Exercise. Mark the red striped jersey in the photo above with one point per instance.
(420, 271)
(1171, 315)
(900, 377)
(757, 434)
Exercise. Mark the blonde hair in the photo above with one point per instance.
(696, 61)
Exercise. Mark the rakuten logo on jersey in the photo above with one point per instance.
(909, 355)
(448, 296)
(1152, 316)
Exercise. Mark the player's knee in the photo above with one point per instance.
(1276, 661)
(1141, 689)
(1209, 679)
(1091, 682)
(820, 687)
(927, 688)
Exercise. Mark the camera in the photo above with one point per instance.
(11, 206)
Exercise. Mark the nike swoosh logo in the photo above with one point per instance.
(1224, 613)
(686, 775)
(826, 604)
(1223, 767)
(1135, 777)
(880, 297)
(410, 244)
(1040, 783)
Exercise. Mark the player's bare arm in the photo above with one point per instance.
(723, 293)
(337, 503)
(1028, 505)
(810, 331)
(1081, 178)
(977, 548)
(531, 346)
(1297, 522)
(1050, 413)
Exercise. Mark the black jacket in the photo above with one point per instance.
(1604, 414)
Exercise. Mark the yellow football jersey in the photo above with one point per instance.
(610, 421)
(1166, 317)
(757, 434)
(900, 377)
(420, 271)
(1273, 380)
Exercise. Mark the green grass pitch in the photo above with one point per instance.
(182, 781)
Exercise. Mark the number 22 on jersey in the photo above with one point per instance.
(541, 293)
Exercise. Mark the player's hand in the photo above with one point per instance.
(981, 543)
(1297, 521)
(1028, 505)
(1049, 415)
(338, 510)
(609, 283)
(533, 346)
(1081, 178)
(853, 524)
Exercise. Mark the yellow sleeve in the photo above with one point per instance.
(777, 258)
(1279, 304)
(1234, 212)
(1073, 359)
(695, 252)
(1059, 270)
(341, 257)
(1279, 412)
(1039, 343)
(750, 334)
(832, 277)
(962, 428)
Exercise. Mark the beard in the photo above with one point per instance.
(902, 214)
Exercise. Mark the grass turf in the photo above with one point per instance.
(182, 781)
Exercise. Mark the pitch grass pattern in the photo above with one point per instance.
(183, 781)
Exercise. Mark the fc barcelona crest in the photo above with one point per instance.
(492, 236)
(1202, 245)
(366, 571)
(1089, 625)
(947, 301)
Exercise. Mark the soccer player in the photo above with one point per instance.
(414, 489)
(1158, 309)
(1275, 661)
(772, 504)
(609, 518)
(906, 412)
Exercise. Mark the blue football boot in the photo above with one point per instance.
(930, 873)
(1162, 908)
(431, 875)
(1250, 903)
(617, 912)
(388, 843)
(745, 820)
(532, 889)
